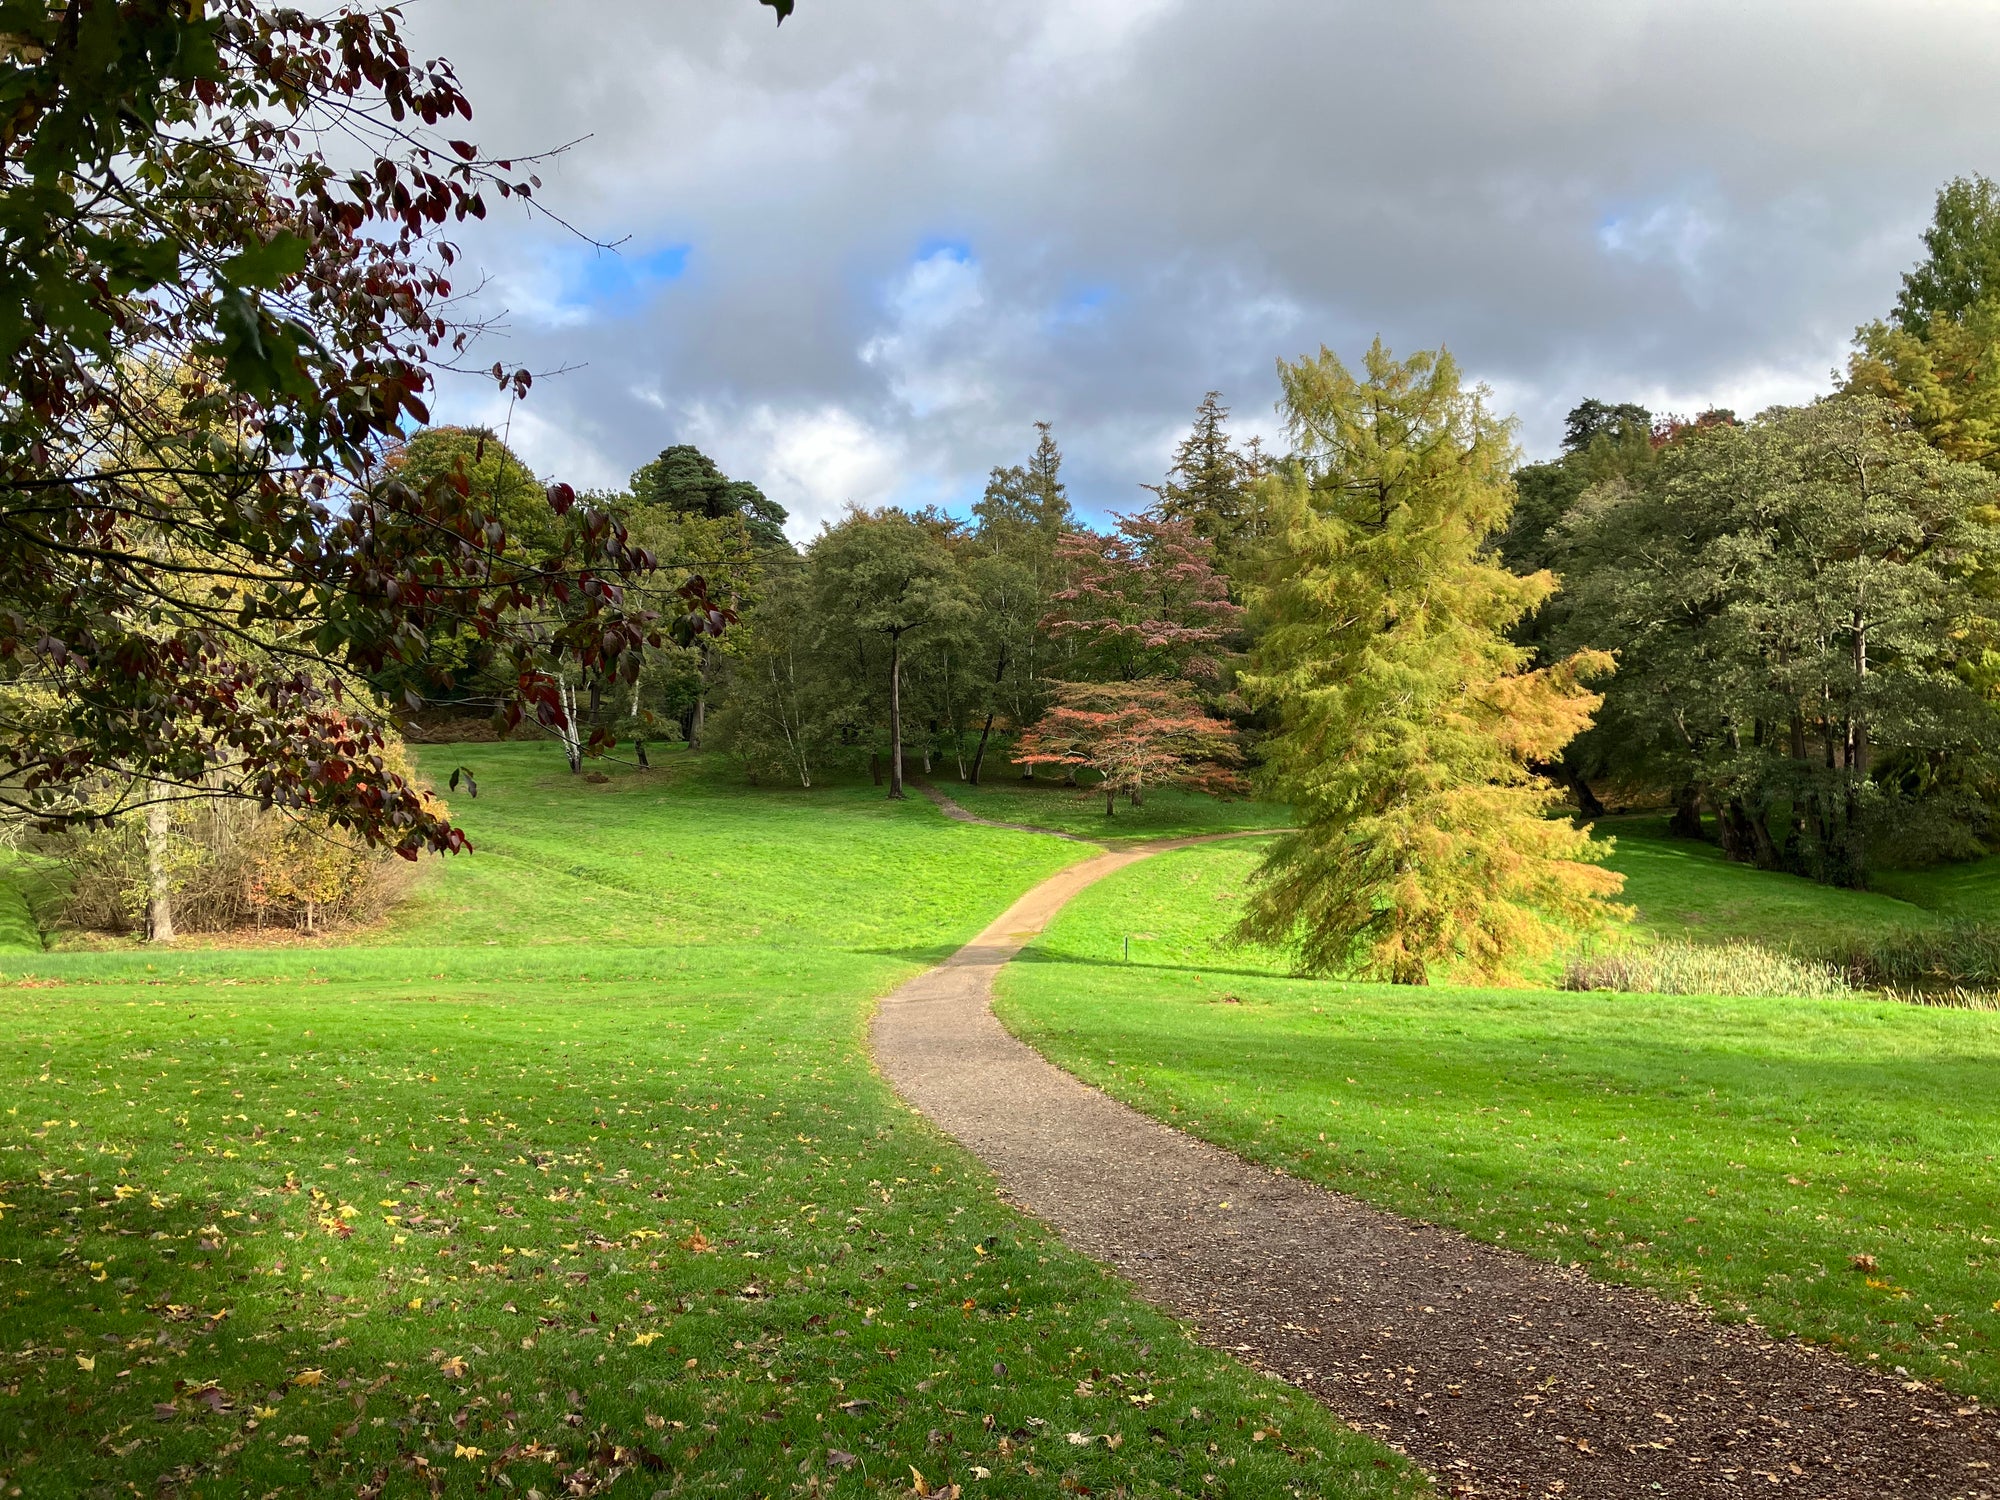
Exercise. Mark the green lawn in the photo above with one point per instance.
(576, 1175)
(1684, 889)
(1741, 1149)
(1166, 813)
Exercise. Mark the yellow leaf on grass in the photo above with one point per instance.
(461, 1450)
(643, 1339)
(452, 1368)
(309, 1377)
(86, 1361)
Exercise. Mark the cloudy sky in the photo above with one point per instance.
(862, 253)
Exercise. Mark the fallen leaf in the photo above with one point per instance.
(837, 1458)
(452, 1368)
(86, 1361)
(309, 1377)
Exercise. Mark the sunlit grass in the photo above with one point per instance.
(536, 1188)
(1744, 1149)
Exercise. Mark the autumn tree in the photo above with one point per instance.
(1144, 600)
(211, 327)
(888, 575)
(1134, 735)
(1407, 720)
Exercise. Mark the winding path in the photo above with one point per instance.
(1501, 1375)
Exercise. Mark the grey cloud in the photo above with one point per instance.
(1128, 202)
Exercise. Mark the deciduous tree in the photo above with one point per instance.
(887, 574)
(214, 329)
(1134, 735)
(1407, 720)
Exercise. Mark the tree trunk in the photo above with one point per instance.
(640, 746)
(875, 765)
(1686, 821)
(159, 902)
(1110, 802)
(979, 755)
(1587, 803)
(699, 717)
(896, 717)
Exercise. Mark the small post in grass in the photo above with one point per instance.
(1128, 947)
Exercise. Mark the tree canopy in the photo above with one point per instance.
(1408, 722)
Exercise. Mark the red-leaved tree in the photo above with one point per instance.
(1135, 735)
(224, 290)
(1146, 600)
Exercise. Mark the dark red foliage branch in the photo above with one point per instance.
(1147, 600)
(224, 288)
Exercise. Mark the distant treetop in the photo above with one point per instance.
(686, 481)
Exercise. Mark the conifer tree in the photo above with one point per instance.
(1408, 721)
(1205, 484)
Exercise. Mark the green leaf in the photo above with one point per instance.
(266, 265)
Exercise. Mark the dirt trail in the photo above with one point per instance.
(1502, 1375)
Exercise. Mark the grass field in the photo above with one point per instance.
(1684, 889)
(575, 1179)
(1742, 1150)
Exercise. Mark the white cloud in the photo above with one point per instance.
(813, 461)
(1683, 201)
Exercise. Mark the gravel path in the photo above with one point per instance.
(1501, 1375)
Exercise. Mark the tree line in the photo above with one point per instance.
(1779, 629)
(227, 571)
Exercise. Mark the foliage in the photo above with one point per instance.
(1145, 601)
(1134, 735)
(1407, 720)
(1684, 968)
(232, 864)
(1013, 564)
(749, 1208)
(783, 711)
(210, 331)
(1797, 607)
(1212, 485)
(684, 481)
(1961, 954)
(1961, 266)
(1737, 1151)
(887, 574)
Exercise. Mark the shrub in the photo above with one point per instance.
(231, 864)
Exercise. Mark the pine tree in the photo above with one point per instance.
(1048, 499)
(1209, 483)
(1407, 720)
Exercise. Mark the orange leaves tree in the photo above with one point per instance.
(1409, 723)
(1134, 735)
